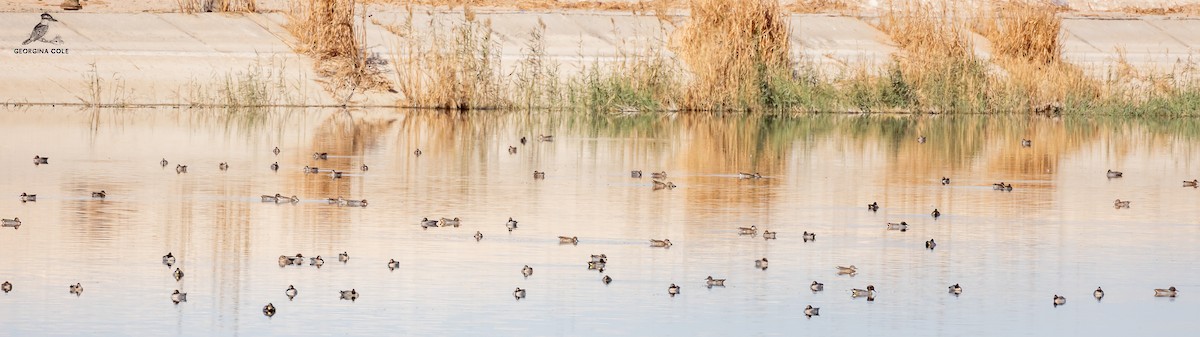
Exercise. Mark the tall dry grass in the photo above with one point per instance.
(618, 5)
(939, 59)
(326, 30)
(733, 49)
(204, 6)
(1026, 38)
(455, 67)
(819, 6)
(536, 81)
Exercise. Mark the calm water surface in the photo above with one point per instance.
(1055, 233)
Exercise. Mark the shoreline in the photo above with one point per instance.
(209, 59)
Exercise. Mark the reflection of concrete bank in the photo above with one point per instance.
(41, 51)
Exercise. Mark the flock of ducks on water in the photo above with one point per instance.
(597, 262)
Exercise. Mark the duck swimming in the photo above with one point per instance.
(869, 292)
(539, 175)
(449, 222)
(1059, 300)
(178, 297)
(1098, 294)
(178, 274)
(956, 289)
(851, 270)
(417, 153)
(28, 197)
(935, 213)
(714, 282)
(546, 138)
(945, 181)
(275, 151)
(527, 271)
(316, 261)
(1169, 292)
(77, 289)
(163, 162)
(744, 175)
(519, 293)
(1193, 183)
(809, 236)
(393, 264)
(14, 222)
(100, 195)
(902, 226)
(748, 230)
(605, 279)
(223, 166)
(1120, 204)
(290, 292)
(511, 224)
(817, 286)
(673, 290)
(810, 311)
(478, 236)
(1114, 174)
(343, 257)
(350, 294)
(6, 287)
(275, 166)
(658, 185)
(873, 206)
(761, 263)
(426, 223)
(573, 240)
(657, 175)
(665, 243)
(269, 310)
(180, 169)
(768, 235)
(930, 244)
(512, 150)
(37, 160)
(635, 174)
(320, 155)
(1026, 143)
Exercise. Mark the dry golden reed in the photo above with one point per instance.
(326, 32)
(616, 5)
(458, 69)
(818, 6)
(1026, 38)
(202, 6)
(732, 48)
(938, 59)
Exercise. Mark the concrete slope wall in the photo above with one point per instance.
(144, 58)
(166, 58)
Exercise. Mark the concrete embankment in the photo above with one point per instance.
(172, 58)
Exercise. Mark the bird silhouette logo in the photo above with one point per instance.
(39, 31)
